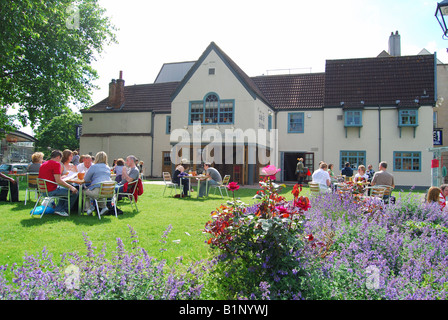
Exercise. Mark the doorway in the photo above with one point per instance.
(290, 164)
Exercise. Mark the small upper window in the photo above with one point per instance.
(408, 118)
(296, 122)
(353, 118)
(211, 71)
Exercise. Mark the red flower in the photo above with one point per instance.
(310, 237)
(302, 203)
(284, 212)
(233, 186)
(296, 190)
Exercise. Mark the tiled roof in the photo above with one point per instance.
(376, 81)
(145, 97)
(296, 91)
(380, 81)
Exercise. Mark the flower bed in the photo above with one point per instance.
(340, 248)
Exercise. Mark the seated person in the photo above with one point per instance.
(37, 158)
(13, 187)
(129, 174)
(67, 165)
(433, 196)
(178, 179)
(118, 169)
(322, 177)
(347, 171)
(98, 172)
(85, 164)
(213, 177)
(361, 175)
(382, 177)
(51, 170)
(370, 172)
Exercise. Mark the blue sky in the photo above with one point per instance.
(261, 35)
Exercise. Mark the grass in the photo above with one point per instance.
(22, 234)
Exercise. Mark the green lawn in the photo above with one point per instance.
(21, 233)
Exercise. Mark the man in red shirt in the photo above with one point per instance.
(51, 170)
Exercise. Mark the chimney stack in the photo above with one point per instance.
(116, 92)
(395, 44)
(120, 90)
(112, 93)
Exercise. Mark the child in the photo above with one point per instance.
(118, 169)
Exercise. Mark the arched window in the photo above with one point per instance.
(212, 110)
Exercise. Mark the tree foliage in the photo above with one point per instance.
(46, 51)
(59, 133)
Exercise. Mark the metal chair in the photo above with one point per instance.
(107, 191)
(129, 193)
(43, 194)
(376, 191)
(169, 183)
(387, 192)
(223, 185)
(31, 185)
(314, 188)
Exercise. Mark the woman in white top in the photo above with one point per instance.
(361, 175)
(67, 166)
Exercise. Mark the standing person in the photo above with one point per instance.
(75, 159)
(213, 177)
(347, 171)
(51, 170)
(98, 172)
(300, 170)
(13, 187)
(370, 172)
(322, 177)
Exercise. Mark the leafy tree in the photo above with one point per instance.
(46, 50)
(60, 133)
